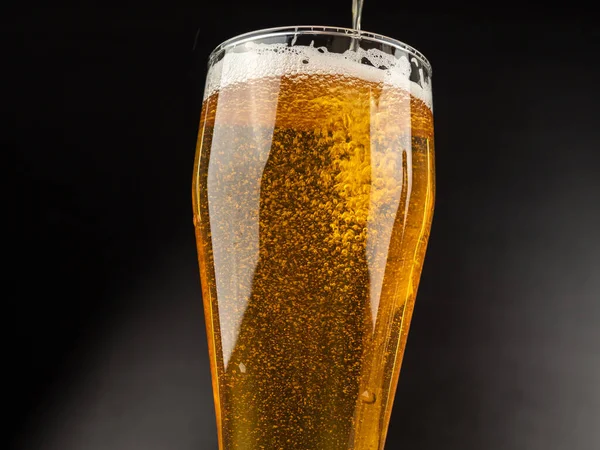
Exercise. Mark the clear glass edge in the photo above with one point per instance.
(319, 30)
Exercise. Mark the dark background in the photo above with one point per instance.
(105, 344)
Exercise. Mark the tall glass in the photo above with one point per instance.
(313, 195)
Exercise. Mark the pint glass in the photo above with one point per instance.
(313, 194)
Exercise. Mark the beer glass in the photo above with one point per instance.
(313, 194)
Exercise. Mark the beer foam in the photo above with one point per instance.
(257, 61)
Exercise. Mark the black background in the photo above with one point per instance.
(105, 345)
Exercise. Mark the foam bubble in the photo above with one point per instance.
(276, 60)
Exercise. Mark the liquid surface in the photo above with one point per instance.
(313, 199)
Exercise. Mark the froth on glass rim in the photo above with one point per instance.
(319, 30)
(319, 50)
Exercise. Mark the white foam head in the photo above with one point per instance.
(277, 60)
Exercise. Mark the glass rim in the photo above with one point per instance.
(320, 30)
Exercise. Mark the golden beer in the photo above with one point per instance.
(313, 197)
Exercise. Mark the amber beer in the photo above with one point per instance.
(313, 197)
